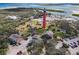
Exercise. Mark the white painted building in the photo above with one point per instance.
(13, 17)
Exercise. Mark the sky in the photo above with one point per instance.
(5, 3)
(39, 1)
(14, 5)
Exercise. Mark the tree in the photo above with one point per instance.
(3, 46)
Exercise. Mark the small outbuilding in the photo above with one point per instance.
(15, 39)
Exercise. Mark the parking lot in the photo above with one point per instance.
(73, 45)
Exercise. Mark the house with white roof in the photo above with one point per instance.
(13, 17)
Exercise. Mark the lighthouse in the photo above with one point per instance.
(44, 19)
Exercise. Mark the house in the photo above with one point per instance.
(13, 17)
(15, 38)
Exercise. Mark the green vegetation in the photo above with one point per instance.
(3, 46)
(75, 15)
(39, 31)
(65, 45)
(55, 10)
(60, 34)
(8, 26)
(50, 10)
(61, 28)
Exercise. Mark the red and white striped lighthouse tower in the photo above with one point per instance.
(44, 19)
